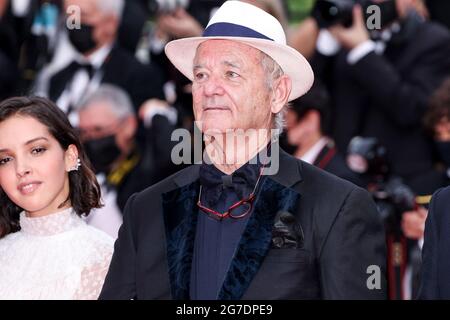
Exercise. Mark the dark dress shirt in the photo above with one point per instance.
(216, 240)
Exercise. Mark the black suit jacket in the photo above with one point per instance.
(343, 236)
(386, 96)
(154, 161)
(8, 77)
(120, 68)
(330, 160)
(435, 280)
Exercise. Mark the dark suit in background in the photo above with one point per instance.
(435, 281)
(135, 14)
(153, 162)
(342, 237)
(9, 74)
(120, 68)
(385, 96)
(330, 160)
(8, 77)
(439, 10)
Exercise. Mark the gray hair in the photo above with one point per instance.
(273, 71)
(116, 98)
(111, 6)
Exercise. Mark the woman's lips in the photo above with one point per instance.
(28, 187)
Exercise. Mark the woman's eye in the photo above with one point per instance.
(4, 160)
(38, 150)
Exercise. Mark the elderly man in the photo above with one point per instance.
(98, 59)
(227, 230)
(108, 126)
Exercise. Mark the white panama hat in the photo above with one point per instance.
(243, 22)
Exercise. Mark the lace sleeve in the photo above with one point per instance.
(92, 278)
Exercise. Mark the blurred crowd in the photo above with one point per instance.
(378, 113)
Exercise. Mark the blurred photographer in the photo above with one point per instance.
(329, 12)
(381, 79)
(402, 210)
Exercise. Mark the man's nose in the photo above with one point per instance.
(213, 86)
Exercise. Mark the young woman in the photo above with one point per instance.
(46, 185)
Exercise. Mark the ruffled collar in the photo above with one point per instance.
(55, 223)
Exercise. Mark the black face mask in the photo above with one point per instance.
(82, 38)
(102, 152)
(443, 149)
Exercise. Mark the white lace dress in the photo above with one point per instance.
(57, 256)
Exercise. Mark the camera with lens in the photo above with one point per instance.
(331, 12)
(366, 156)
(166, 6)
(392, 197)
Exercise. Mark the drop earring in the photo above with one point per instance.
(76, 166)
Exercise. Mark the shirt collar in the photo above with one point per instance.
(97, 58)
(242, 181)
(311, 155)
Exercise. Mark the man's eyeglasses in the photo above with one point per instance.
(236, 211)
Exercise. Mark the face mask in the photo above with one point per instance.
(102, 152)
(443, 149)
(82, 39)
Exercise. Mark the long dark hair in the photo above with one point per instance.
(439, 107)
(84, 193)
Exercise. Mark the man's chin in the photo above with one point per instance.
(215, 127)
(214, 131)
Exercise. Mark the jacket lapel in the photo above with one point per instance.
(60, 81)
(275, 195)
(180, 217)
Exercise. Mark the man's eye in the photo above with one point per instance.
(200, 76)
(232, 74)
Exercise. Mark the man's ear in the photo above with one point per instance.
(71, 157)
(281, 91)
(129, 127)
(113, 24)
